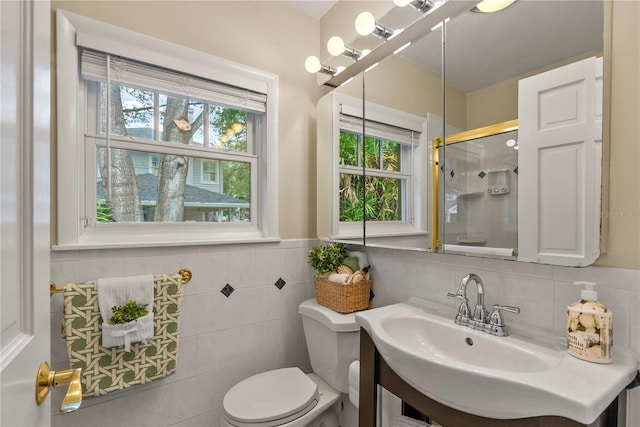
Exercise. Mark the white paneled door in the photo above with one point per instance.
(559, 164)
(24, 208)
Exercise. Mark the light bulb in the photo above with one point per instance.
(365, 23)
(237, 127)
(312, 64)
(335, 45)
(488, 6)
(401, 3)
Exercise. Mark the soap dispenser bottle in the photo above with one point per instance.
(589, 327)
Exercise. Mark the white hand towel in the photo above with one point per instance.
(116, 291)
(363, 261)
(120, 290)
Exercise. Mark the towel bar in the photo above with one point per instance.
(184, 273)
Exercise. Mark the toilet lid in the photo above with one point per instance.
(271, 398)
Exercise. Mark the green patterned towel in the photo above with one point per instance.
(110, 369)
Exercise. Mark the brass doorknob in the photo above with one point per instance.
(47, 379)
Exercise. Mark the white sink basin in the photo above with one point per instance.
(494, 377)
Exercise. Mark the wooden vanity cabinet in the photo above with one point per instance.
(374, 371)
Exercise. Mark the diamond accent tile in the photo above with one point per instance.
(482, 174)
(227, 290)
(452, 173)
(280, 283)
(371, 295)
(515, 170)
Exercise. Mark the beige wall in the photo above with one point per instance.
(623, 246)
(261, 34)
(502, 98)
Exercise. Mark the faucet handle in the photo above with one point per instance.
(496, 324)
(509, 308)
(496, 318)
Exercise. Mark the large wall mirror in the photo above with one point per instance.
(463, 78)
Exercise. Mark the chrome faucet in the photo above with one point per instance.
(479, 312)
(481, 321)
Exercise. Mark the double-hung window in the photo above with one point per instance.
(380, 171)
(376, 166)
(170, 145)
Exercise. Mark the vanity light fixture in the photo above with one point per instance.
(336, 47)
(422, 5)
(366, 24)
(401, 48)
(490, 6)
(372, 67)
(312, 64)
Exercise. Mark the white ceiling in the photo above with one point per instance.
(483, 49)
(313, 8)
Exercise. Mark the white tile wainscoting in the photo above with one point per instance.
(257, 328)
(222, 339)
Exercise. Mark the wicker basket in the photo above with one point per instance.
(343, 298)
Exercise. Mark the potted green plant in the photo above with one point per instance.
(326, 259)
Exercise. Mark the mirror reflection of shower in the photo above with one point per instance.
(480, 187)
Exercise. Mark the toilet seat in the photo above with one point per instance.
(270, 399)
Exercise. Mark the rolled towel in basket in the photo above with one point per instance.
(117, 291)
(363, 261)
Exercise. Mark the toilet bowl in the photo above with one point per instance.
(290, 398)
(283, 397)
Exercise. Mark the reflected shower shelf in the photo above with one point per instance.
(471, 195)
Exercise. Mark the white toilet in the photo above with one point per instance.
(290, 398)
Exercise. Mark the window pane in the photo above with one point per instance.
(391, 152)
(170, 195)
(350, 197)
(131, 112)
(384, 199)
(372, 153)
(181, 119)
(228, 128)
(195, 115)
(348, 148)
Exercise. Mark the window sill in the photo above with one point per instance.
(127, 245)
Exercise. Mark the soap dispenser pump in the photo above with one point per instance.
(589, 327)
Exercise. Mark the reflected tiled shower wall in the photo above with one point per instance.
(480, 182)
(239, 317)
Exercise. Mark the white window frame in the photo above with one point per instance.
(418, 208)
(216, 169)
(154, 169)
(74, 230)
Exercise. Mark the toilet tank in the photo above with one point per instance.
(333, 342)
